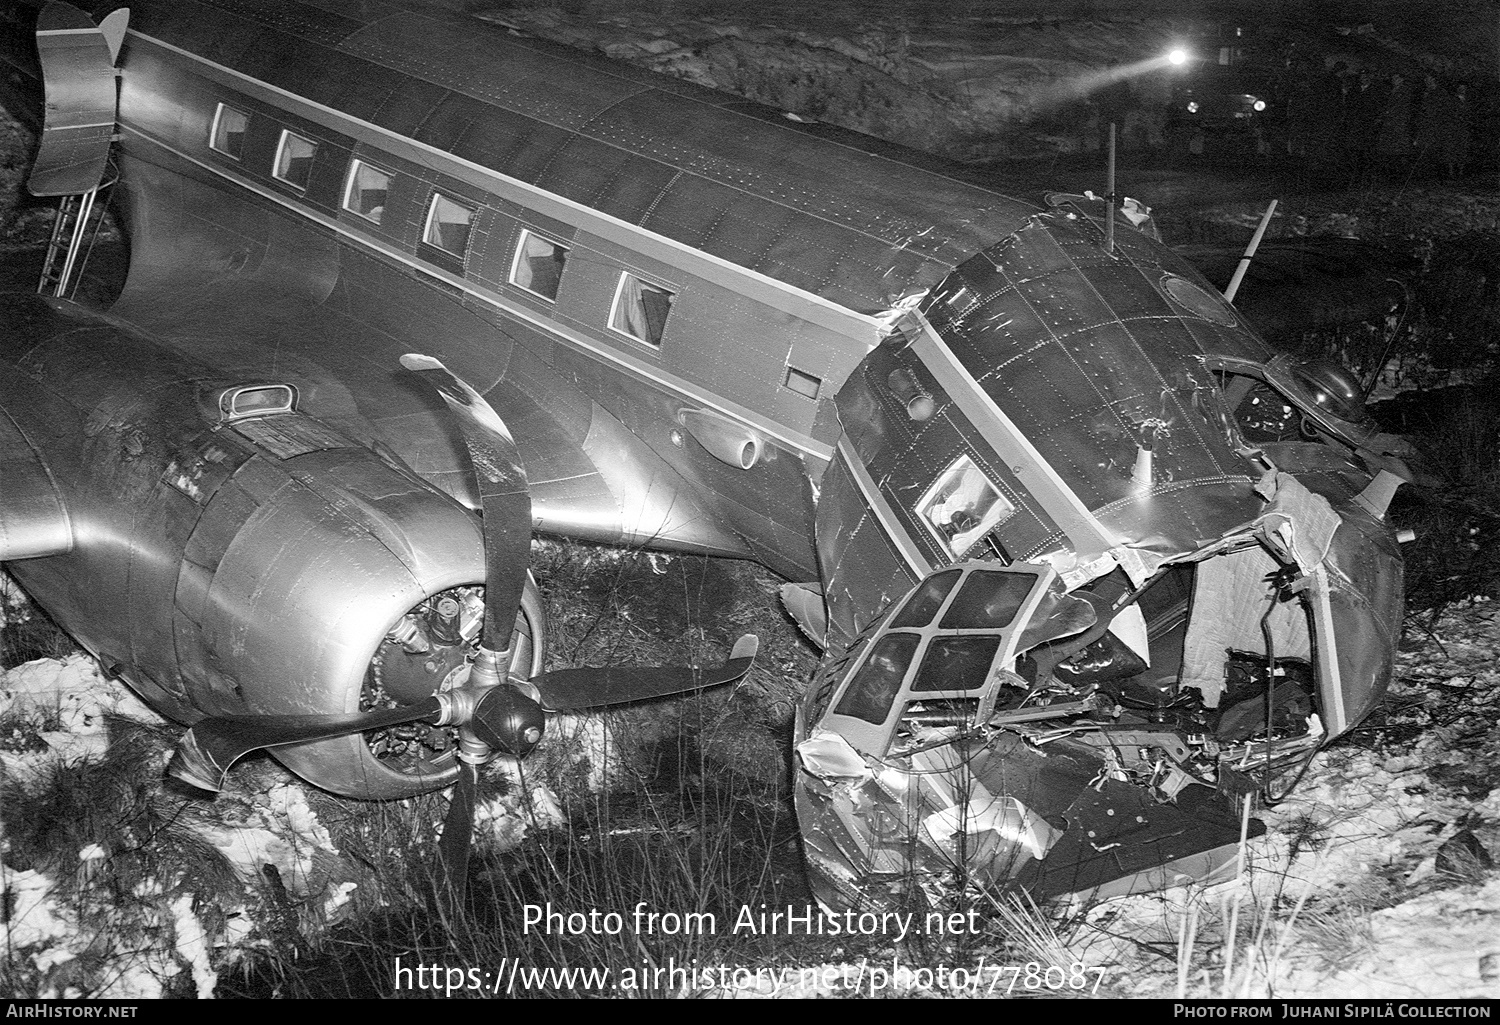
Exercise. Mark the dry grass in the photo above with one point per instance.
(25, 631)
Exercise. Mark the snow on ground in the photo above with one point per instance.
(1363, 885)
(1360, 888)
(67, 938)
(56, 712)
(64, 702)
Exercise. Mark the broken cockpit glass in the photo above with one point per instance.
(993, 728)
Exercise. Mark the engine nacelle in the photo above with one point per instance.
(237, 557)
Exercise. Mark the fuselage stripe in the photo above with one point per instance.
(344, 122)
(882, 511)
(799, 442)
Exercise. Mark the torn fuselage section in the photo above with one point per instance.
(1074, 615)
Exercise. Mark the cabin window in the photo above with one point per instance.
(294, 157)
(448, 223)
(962, 506)
(640, 310)
(366, 192)
(802, 383)
(228, 134)
(539, 265)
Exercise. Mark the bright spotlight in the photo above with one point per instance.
(1178, 56)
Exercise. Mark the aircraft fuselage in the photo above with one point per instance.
(709, 329)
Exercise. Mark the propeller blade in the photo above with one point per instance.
(568, 690)
(208, 750)
(458, 831)
(503, 495)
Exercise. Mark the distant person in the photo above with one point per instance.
(1150, 119)
(1304, 121)
(1365, 106)
(1175, 125)
(1426, 121)
(1394, 131)
(1456, 150)
(1482, 105)
(1435, 124)
(1328, 134)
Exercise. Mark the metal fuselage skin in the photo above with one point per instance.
(853, 347)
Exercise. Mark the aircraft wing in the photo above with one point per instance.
(33, 518)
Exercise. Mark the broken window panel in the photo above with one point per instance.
(294, 157)
(1265, 415)
(539, 265)
(988, 601)
(448, 223)
(640, 310)
(962, 506)
(874, 688)
(957, 663)
(366, 194)
(228, 134)
(925, 603)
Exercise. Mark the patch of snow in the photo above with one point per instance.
(192, 945)
(506, 820)
(66, 699)
(34, 919)
(277, 828)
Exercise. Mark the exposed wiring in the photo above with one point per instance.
(1281, 591)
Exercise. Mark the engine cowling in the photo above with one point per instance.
(233, 555)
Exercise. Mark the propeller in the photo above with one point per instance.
(504, 719)
(571, 690)
(504, 497)
(492, 713)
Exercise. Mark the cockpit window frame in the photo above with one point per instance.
(876, 738)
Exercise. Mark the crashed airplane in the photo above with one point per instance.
(1089, 562)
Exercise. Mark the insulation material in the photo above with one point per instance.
(1006, 816)
(829, 756)
(1304, 523)
(1229, 599)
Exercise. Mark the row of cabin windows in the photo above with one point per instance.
(639, 309)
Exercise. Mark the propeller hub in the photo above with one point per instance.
(508, 720)
(489, 668)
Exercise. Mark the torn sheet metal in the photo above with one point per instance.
(1055, 662)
